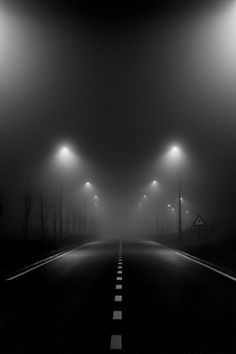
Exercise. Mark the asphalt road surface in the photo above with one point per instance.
(107, 296)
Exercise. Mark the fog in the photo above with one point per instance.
(117, 89)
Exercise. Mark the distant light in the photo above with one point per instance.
(154, 183)
(140, 204)
(64, 152)
(173, 209)
(95, 197)
(169, 205)
(187, 211)
(175, 150)
(181, 198)
(144, 196)
(66, 159)
(88, 184)
(173, 155)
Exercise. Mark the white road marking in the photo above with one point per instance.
(116, 341)
(196, 260)
(120, 250)
(118, 298)
(35, 265)
(119, 267)
(119, 272)
(117, 315)
(119, 278)
(119, 286)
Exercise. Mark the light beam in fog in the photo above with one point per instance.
(51, 69)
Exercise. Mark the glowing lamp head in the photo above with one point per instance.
(66, 159)
(65, 153)
(173, 156)
(154, 182)
(175, 150)
(87, 184)
(169, 206)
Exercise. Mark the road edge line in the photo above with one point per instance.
(206, 265)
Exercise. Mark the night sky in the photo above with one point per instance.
(122, 83)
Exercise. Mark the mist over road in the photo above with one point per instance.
(130, 296)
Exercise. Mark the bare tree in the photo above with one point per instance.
(29, 200)
(74, 221)
(67, 223)
(2, 208)
(54, 214)
(43, 201)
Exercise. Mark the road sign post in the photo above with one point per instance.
(199, 223)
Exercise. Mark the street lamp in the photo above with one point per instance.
(64, 152)
(154, 185)
(176, 153)
(88, 199)
(65, 157)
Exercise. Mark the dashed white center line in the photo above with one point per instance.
(118, 298)
(118, 286)
(117, 315)
(116, 339)
(116, 342)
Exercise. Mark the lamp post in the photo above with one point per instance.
(60, 209)
(180, 201)
(65, 158)
(88, 188)
(95, 214)
(144, 201)
(154, 185)
(177, 154)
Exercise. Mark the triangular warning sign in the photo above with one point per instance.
(199, 221)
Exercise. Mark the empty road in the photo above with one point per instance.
(111, 296)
